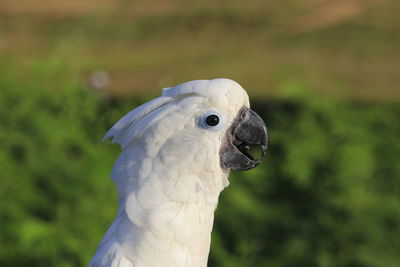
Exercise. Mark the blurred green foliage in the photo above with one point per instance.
(328, 193)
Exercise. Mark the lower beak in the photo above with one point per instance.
(248, 130)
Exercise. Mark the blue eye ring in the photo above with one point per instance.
(212, 120)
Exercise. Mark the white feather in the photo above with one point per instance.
(132, 117)
(169, 177)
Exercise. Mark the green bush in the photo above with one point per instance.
(328, 193)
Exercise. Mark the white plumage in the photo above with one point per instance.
(169, 176)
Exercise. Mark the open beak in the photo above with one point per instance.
(247, 131)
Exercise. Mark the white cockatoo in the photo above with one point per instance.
(177, 151)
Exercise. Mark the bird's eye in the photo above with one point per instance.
(212, 120)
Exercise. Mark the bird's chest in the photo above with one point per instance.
(179, 238)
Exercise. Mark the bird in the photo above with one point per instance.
(176, 153)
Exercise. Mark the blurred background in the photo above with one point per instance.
(324, 74)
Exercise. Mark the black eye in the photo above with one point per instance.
(212, 120)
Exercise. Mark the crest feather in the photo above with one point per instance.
(120, 129)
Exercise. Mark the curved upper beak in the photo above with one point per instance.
(247, 130)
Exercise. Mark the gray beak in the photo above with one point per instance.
(248, 130)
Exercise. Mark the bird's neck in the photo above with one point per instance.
(174, 233)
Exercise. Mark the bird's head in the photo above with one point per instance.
(204, 124)
(177, 151)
